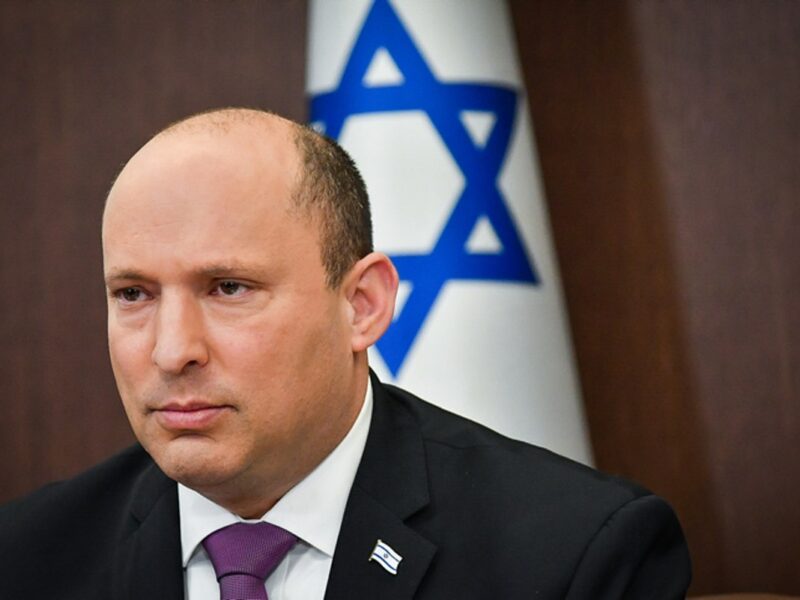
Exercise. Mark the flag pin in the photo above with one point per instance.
(385, 556)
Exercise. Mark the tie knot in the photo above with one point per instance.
(252, 549)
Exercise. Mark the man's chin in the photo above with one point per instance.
(197, 462)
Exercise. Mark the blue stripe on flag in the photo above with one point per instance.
(391, 568)
(385, 548)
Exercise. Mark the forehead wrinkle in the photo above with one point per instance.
(209, 271)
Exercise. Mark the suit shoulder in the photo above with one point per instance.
(77, 527)
(516, 472)
(536, 519)
(104, 487)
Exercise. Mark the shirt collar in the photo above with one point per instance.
(312, 510)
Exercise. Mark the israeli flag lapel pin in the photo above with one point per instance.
(385, 556)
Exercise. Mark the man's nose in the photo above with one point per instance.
(180, 335)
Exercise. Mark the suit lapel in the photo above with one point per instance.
(390, 486)
(148, 563)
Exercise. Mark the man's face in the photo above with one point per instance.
(230, 353)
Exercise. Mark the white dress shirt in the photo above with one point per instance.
(312, 510)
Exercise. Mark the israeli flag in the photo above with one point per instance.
(386, 557)
(428, 99)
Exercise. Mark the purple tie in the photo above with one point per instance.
(244, 554)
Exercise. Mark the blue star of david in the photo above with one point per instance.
(480, 165)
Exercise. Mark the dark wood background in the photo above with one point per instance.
(669, 135)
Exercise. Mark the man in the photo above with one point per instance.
(243, 294)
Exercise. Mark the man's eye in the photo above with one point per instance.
(129, 294)
(230, 288)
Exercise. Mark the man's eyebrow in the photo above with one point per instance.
(220, 270)
(116, 275)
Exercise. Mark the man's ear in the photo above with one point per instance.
(370, 288)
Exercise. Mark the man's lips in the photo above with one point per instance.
(189, 416)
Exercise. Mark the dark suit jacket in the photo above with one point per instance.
(473, 514)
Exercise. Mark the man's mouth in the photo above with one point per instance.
(192, 415)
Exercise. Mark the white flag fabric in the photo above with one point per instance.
(428, 99)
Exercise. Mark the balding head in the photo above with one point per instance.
(327, 187)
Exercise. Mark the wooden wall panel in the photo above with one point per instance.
(669, 136)
(84, 84)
